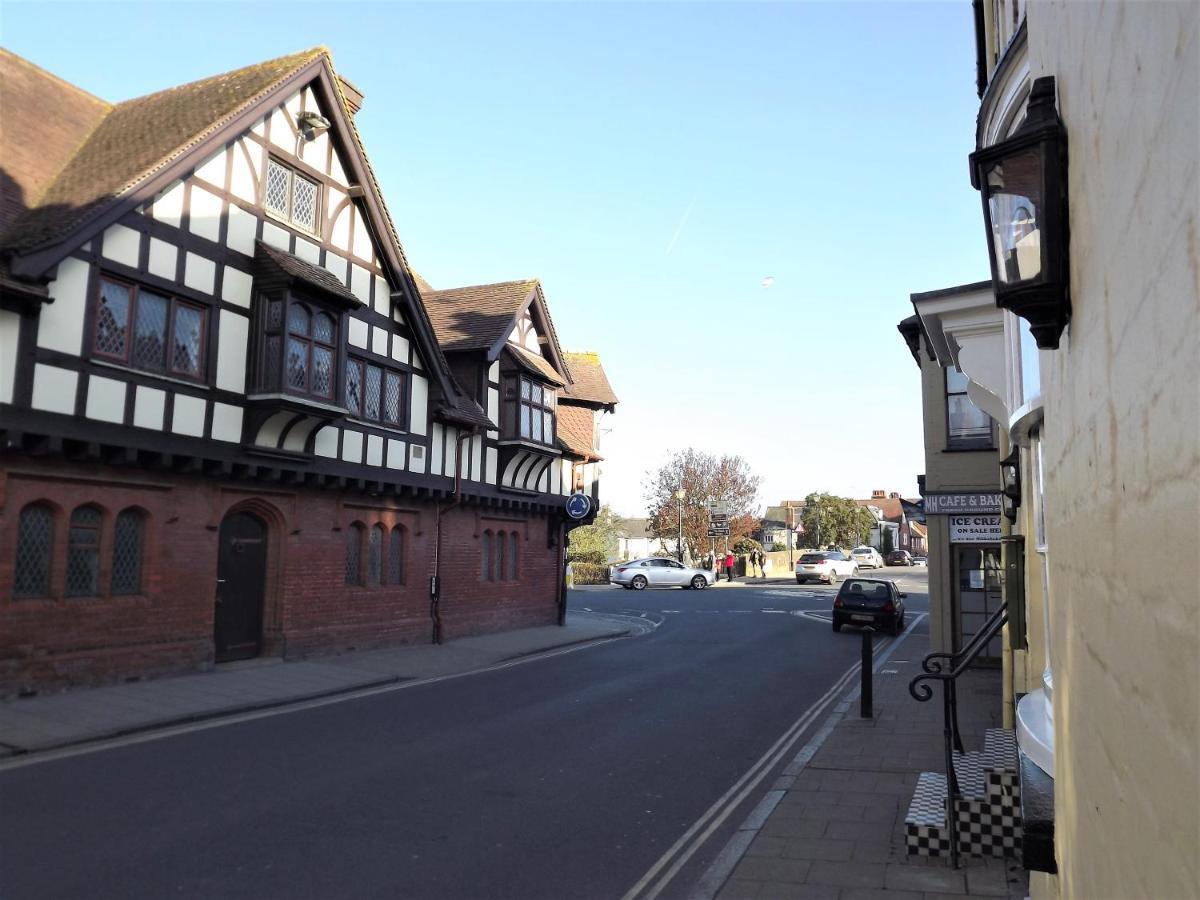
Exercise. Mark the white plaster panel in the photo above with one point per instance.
(231, 351)
(337, 265)
(226, 423)
(297, 435)
(357, 333)
(451, 452)
(243, 227)
(199, 274)
(352, 445)
(168, 206)
(374, 450)
(315, 152)
(10, 333)
(362, 235)
(494, 372)
(543, 484)
(260, 127)
(189, 415)
(308, 251)
(325, 443)
(555, 478)
(292, 105)
(236, 286)
(163, 259)
(399, 348)
(60, 324)
(360, 283)
(148, 406)
(435, 444)
(419, 405)
(204, 217)
(121, 244)
(281, 131)
(212, 170)
(493, 459)
(383, 296)
(340, 234)
(379, 340)
(54, 389)
(416, 459)
(105, 399)
(242, 178)
(395, 454)
(493, 407)
(310, 103)
(477, 458)
(566, 477)
(279, 238)
(336, 172)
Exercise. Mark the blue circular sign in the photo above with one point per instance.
(579, 505)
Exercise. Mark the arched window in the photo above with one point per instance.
(396, 556)
(498, 556)
(485, 556)
(354, 536)
(375, 556)
(83, 553)
(511, 562)
(127, 552)
(35, 545)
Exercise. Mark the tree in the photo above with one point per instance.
(887, 542)
(597, 539)
(702, 477)
(835, 520)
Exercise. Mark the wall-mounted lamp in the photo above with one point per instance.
(311, 125)
(1023, 181)
(1010, 484)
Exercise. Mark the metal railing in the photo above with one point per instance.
(946, 667)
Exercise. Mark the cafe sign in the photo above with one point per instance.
(983, 503)
(975, 530)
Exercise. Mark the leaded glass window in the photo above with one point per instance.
(310, 352)
(127, 553)
(371, 395)
(375, 556)
(396, 556)
(391, 397)
(354, 535)
(354, 386)
(83, 553)
(278, 178)
(112, 319)
(292, 197)
(374, 393)
(535, 412)
(304, 203)
(188, 339)
(35, 546)
(137, 326)
(297, 364)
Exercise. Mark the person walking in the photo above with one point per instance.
(729, 565)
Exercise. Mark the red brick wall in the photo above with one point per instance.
(308, 608)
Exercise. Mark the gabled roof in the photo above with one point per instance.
(479, 316)
(588, 381)
(575, 426)
(134, 139)
(535, 363)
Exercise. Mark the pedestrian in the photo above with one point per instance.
(729, 565)
(760, 559)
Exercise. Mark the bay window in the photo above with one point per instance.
(534, 412)
(299, 349)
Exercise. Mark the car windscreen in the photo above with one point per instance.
(812, 558)
(866, 591)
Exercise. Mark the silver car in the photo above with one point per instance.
(829, 566)
(867, 557)
(657, 571)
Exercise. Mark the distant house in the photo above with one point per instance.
(635, 541)
(891, 513)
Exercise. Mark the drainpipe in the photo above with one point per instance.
(435, 582)
(562, 574)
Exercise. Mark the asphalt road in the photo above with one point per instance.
(566, 777)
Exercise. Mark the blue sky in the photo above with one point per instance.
(652, 164)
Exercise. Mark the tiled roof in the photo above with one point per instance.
(422, 285)
(462, 410)
(537, 364)
(889, 506)
(45, 121)
(918, 529)
(138, 137)
(575, 427)
(317, 277)
(588, 381)
(476, 317)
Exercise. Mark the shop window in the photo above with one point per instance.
(354, 542)
(968, 427)
(375, 394)
(292, 197)
(127, 552)
(147, 330)
(83, 553)
(396, 556)
(34, 550)
(375, 556)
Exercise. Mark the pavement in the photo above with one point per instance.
(832, 826)
(47, 722)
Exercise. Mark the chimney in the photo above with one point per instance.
(354, 97)
(878, 495)
(894, 495)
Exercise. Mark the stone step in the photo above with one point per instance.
(925, 831)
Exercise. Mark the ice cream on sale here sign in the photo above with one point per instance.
(974, 529)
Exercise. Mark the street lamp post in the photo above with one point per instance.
(679, 495)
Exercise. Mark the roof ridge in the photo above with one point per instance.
(31, 64)
(493, 284)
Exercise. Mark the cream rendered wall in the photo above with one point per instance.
(1122, 450)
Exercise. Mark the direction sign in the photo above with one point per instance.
(718, 507)
(718, 532)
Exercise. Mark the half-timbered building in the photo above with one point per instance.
(227, 425)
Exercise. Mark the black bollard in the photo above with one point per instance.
(868, 652)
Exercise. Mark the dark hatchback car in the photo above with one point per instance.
(899, 558)
(869, 601)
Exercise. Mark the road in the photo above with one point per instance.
(567, 777)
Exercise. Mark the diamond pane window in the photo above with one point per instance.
(396, 556)
(526, 430)
(354, 387)
(304, 203)
(127, 553)
(112, 319)
(188, 338)
(274, 315)
(371, 406)
(375, 557)
(535, 412)
(278, 177)
(537, 427)
(150, 331)
(297, 364)
(271, 363)
(525, 390)
(353, 553)
(35, 542)
(391, 398)
(299, 320)
(322, 371)
(83, 553)
(322, 329)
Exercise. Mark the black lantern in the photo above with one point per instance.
(1008, 506)
(1010, 482)
(1024, 184)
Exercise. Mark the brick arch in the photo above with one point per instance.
(273, 639)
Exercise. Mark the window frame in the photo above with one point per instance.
(548, 405)
(138, 517)
(44, 587)
(92, 550)
(174, 302)
(265, 332)
(289, 218)
(402, 423)
(960, 442)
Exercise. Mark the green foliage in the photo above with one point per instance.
(776, 547)
(837, 521)
(595, 542)
(595, 557)
(888, 544)
(745, 545)
(589, 573)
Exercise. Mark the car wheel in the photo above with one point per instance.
(855, 572)
(799, 581)
(833, 577)
(699, 583)
(837, 626)
(638, 583)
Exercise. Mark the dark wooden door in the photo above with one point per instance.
(241, 579)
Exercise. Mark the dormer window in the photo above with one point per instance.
(534, 420)
(292, 197)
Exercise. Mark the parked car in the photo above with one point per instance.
(869, 601)
(899, 558)
(658, 571)
(921, 561)
(867, 557)
(828, 565)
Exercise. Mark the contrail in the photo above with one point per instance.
(682, 221)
